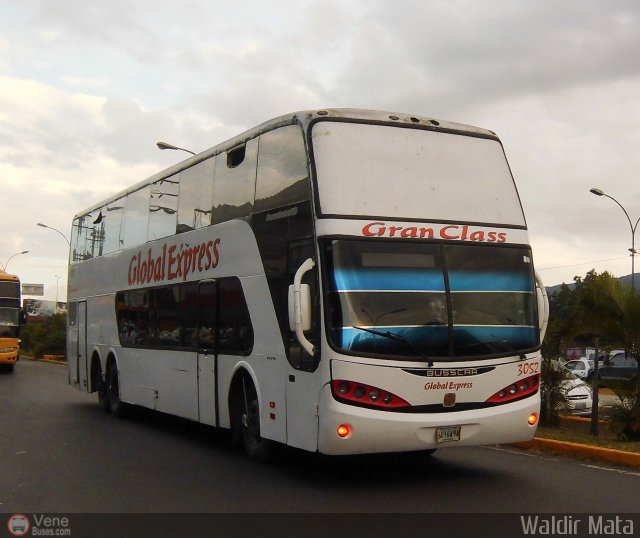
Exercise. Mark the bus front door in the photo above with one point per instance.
(207, 326)
(303, 383)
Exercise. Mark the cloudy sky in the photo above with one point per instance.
(88, 87)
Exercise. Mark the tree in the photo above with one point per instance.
(46, 336)
(603, 313)
(561, 307)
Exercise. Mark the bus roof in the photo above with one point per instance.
(304, 118)
(6, 276)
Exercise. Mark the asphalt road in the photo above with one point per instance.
(60, 453)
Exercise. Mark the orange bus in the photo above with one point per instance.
(10, 319)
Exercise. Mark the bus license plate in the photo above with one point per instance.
(446, 434)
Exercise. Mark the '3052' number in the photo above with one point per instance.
(528, 368)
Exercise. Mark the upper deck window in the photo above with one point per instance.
(282, 177)
(196, 196)
(385, 171)
(10, 289)
(234, 184)
(136, 218)
(163, 207)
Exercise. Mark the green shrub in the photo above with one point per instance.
(553, 392)
(46, 337)
(624, 416)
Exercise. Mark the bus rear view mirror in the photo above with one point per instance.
(305, 307)
(543, 306)
(300, 305)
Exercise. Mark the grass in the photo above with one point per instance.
(579, 433)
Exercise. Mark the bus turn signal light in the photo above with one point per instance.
(533, 419)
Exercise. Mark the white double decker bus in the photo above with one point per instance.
(340, 281)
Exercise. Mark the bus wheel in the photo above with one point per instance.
(103, 395)
(248, 416)
(6, 368)
(101, 385)
(117, 407)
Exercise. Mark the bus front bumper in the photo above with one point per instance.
(9, 350)
(373, 431)
(8, 355)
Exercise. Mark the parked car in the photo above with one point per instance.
(581, 367)
(579, 395)
(619, 371)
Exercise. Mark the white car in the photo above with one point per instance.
(579, 394)
(580, 367)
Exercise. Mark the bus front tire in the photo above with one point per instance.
(246, 427)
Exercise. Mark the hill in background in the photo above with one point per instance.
(626, 280)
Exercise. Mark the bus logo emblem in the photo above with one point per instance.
(449, 399)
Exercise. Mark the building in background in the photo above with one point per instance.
(37, 309)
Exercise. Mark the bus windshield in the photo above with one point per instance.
(390, 171)
(9, 321)
(412, 300)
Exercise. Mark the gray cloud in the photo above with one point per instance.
(86, 89)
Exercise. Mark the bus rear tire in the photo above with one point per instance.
(100, 384)
(103, 395)
(117, 407)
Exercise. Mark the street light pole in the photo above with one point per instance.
(599, 192)
(165, 145)
(55, 230)
(4, 267)
(57, 281)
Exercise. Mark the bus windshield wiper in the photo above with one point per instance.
(398, 338)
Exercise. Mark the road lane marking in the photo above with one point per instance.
(520, 453)
(619, 471)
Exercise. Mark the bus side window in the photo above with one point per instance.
(163, 207)
(83, 239)
(235, 332)
(136, 218)
(283, 177)
(132, 314)
(72, 313)
(111, 224)
(196, 196)
(234, 187)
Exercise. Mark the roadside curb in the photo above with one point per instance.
(585, 451)
(49, 361)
